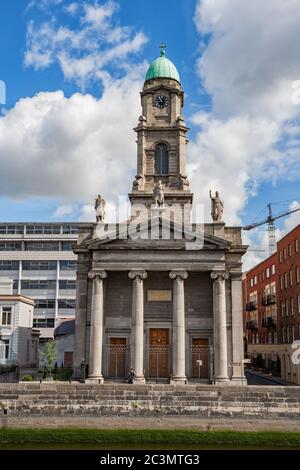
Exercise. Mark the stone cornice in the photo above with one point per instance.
(16, 298)
(236, 276)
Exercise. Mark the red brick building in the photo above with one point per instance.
(289, 286)
(271, 300)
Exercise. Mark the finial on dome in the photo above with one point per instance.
(162, 49)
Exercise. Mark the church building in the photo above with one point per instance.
(157, 293)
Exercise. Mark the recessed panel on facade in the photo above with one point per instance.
(159, 296)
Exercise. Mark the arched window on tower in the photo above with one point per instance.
(161, 159)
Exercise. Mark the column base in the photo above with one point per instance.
(222, 381)
(238, 381)
(139, 380)
(94, 380)
(178, 381)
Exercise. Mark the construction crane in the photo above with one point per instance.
(271, 225)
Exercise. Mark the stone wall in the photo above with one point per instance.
(82, 400)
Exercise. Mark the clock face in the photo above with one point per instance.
(161, 101)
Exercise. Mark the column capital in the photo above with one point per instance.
(236, 276)
(137, 273)
(93, 274)
(176, 273)
(219, 275)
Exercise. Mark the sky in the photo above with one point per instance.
(73, 72)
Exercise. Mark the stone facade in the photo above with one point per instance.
(157, 293)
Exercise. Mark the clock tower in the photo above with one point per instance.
(161, 139)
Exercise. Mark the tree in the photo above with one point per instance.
(49, 355)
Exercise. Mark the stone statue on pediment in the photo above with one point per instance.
(100, 208)
(159, 194)
(217, 207)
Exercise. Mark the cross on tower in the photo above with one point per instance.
(162, 49)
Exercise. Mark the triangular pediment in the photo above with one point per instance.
(155, 233)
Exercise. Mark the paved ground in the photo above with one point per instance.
(258, 378)
(145, 422)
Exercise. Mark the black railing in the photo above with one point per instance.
(251, 306)
(269, 322)
(269, 299)
(251, 325)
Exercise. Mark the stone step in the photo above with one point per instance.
(59, 399)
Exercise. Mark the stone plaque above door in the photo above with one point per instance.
(159, 295)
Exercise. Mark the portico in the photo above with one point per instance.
(173, 355)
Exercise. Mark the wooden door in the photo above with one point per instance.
(68, 359)
(117, 357)
(159, 353)
(200, 353)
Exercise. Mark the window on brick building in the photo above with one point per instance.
(290, 250)
(275, 337)
(251, 282)
(287, 334)
(283, 308)
(298, 303)
(287, 307)
(285, 280)
(284, 253)
(255, 280)
(270, 337)
(293, 333)
(268, 272)
(292, 305)
(283, 334)
(273, 269)
(273, 288)
(291, 277)
(297, 275)
(280, 256)
(281, 281)
(296, 246)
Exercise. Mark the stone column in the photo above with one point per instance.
(96, 329)
(220, 328)
(137, 331)
(238, 376)
(178, 350)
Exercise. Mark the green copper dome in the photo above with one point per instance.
(162, 68)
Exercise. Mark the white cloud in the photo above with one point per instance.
(64, 210)
(96, 41)
(248, 67)
(71, 148)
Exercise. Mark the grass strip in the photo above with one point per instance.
(147, 436)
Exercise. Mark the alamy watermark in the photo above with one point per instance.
(296, 354)
(296, 92)
(144, 222)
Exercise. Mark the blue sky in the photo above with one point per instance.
(244, 137)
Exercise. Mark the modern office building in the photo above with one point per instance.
(38, 257)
